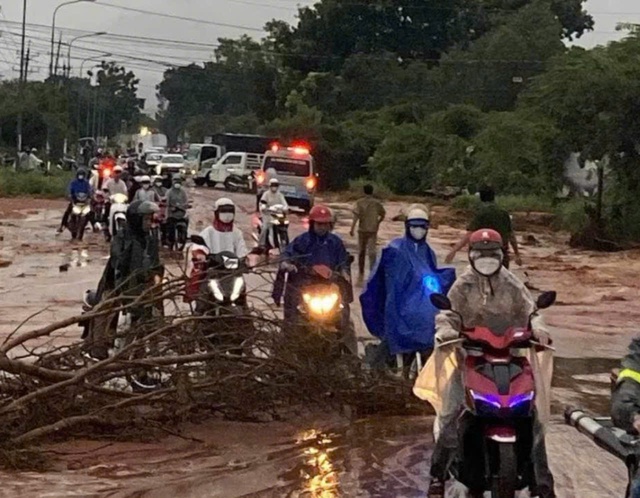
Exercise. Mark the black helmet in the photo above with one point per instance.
(136, 212)
(81, 172)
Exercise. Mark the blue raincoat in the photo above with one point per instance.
(395, 304)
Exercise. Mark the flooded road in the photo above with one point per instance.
(316, 456)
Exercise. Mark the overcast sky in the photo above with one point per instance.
(239, 16)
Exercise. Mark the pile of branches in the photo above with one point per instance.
(171, 366)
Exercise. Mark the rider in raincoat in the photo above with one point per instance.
(485, 293)
(395, 304)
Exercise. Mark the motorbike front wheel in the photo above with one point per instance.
(82, 225)
(505, 480)
(230, 186)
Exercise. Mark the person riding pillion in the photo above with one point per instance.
(272, 197)
(317, 246)
(485, 293)
(79, 186)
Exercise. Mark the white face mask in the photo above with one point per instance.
(274, 189)
(487, 266)
(226, 217)
(146, 186)
(177, 186)
(418, 233)
(158, 184)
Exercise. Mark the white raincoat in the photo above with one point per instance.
(218, 242)
(479, 300)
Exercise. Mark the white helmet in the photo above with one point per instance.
(418, 213)
(274, 182)
(145, 179)
(222, 203)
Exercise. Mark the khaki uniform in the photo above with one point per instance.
(368, 211)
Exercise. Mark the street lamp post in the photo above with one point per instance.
(53, 29)
(99, 33)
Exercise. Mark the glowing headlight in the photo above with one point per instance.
(86, 210)
(214, 287)
(77, 209)
(321, 304)
(238, 286)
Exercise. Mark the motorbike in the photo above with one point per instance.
(79, 216)
(496, 426)
(98, 207)
(238, 183)
(177, 228)
(278, 237)
(67, 164)
(323, 311)
(160, 223)
(620, 444)
(117, 215)
(221, 292)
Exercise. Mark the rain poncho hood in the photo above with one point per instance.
(395, 303)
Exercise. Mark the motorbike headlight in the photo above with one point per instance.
(86, 210)
(77, 210)
(321, 304)
(214, 287)
(238, 286)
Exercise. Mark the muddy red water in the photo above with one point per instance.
(322, 456)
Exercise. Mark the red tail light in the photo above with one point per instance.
(311, 183)
(275, 147)
(106, 173)
(260, 177)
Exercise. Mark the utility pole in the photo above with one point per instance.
(55, 69)
(21, 81)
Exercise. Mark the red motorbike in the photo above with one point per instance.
(496, 427)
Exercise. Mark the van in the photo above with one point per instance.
(294, 167)
(198, 153)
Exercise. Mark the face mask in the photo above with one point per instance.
(274, 189)
(80, 177)
(146, 186)
(158, 184)
(226, 217)
(418, 233)
(487, 266)
(177, 186)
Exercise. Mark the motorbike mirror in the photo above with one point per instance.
(196, 239)
(441, 302)
(546, 300)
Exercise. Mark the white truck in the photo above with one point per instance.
(235, 170)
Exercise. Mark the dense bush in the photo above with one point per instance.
(36, 184)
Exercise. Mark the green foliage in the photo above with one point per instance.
(572, 215)
(16, 184)
(512, 203)
(380, 190)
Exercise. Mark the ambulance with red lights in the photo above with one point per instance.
(294, 168)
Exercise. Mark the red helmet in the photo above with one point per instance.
(485, 238)
(321, 214)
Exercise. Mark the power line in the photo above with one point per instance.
(179, 18)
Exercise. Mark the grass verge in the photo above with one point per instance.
(34, 184)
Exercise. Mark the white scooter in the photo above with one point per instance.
(117, 215)
(275, 220)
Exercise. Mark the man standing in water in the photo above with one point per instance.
(369, 213)
(490, 216)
